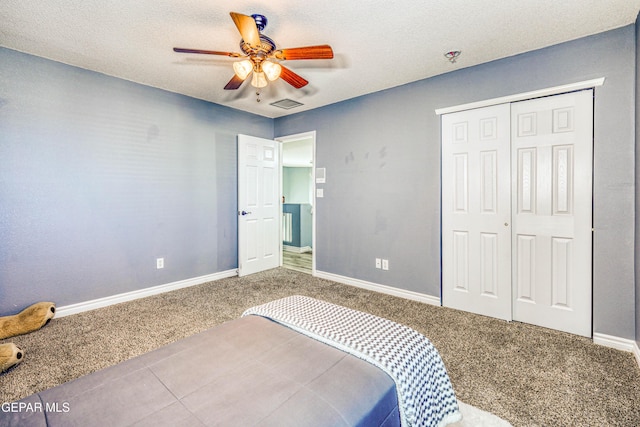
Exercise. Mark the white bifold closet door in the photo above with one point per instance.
(476, 211)
(517, 211)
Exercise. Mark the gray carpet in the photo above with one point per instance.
(527, 375)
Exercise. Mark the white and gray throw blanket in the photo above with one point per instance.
(425, 394)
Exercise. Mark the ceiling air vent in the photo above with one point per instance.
(287, 104)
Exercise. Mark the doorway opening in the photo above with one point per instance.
(297, 190)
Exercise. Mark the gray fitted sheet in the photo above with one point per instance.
(246, 372)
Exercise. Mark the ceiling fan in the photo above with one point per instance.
(261, 56)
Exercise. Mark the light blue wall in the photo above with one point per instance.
(382, 155)
(100, 176)
(296, 184)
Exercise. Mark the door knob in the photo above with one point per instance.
(506, 224)
(243, 213)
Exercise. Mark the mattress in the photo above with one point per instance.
(425, 394)
(247, 372)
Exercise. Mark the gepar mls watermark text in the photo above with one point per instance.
(49, 407)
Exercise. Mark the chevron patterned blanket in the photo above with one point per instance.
(425, 394)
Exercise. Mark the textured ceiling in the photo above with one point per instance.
(377, 44)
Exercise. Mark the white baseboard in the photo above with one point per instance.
(415, 296)
(618, 343)
(141, 293)
(296, 249)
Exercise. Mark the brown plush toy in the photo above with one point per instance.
(28, 320)
(10, 356)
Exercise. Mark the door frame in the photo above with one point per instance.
(296, 137)
(555, 90)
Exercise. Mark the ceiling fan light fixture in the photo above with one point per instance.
(243, 68)
(260, 56)
(258, 80)
(271, 70)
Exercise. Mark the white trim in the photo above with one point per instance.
(296, 249)
(141, 293)
(522, 96)
(613, 342)
(618, 343)
(415, 296)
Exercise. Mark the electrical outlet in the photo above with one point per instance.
(378, 263)
(385, 264)
(159, 263)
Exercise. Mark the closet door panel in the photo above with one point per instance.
(552, 148)
(476, 204)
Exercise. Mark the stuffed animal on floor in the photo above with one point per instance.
(28, 320)
(10, 356)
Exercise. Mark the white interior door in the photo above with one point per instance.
(476, 211)
(258, 205)
(552, 145)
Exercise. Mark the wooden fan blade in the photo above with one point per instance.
(247, 27)
(310, 52)
(206, 52)
(234, 83)
(292, 78)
